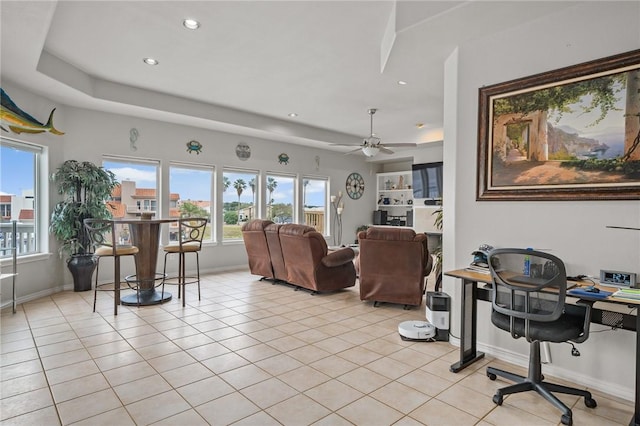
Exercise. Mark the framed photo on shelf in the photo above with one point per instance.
(567, 134)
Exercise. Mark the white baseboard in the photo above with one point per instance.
(37, 295)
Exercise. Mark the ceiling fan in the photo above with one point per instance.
(372, 145)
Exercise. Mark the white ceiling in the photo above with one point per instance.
(253, 62)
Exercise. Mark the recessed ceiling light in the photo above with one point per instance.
(419, 125)
(191, 24)
(150, 61)
(402, 82)
(293, 115)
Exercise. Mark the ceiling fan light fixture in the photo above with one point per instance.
(371, 141)
(370, 151)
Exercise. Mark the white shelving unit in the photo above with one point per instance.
(14, 262)
(395, 196)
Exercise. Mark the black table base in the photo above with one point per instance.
(147, 293)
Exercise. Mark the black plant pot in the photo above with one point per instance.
(81, 267)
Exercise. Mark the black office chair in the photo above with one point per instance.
(529, 289)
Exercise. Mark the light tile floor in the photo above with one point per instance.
(249, 353)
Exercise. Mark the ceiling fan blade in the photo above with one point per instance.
(353, 151)
(407, 144)
(343, 144)
(385, 150)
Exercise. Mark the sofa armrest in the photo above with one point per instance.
(338, 257)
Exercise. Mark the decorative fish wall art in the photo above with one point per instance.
(19, 121)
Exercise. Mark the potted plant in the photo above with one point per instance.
(360, 228)
(85, 188)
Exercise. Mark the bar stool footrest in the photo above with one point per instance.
(175, 280)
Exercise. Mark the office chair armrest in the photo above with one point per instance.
(587, 305)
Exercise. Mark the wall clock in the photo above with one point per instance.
(355, 185)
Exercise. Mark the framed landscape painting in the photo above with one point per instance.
(568, 134)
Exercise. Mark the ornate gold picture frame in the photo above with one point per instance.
(568, 134)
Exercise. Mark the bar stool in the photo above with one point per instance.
(190, 234)
(102, 234)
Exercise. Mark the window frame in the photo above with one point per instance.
(213, 216)
(326, 226)
(40, 200)
(257, 197)
(141, 161)
(294, 202)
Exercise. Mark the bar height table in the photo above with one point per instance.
(145, 234)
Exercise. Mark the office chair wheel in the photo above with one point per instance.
(491, 376)
(590, 402)
(497, 399)
(566, 420)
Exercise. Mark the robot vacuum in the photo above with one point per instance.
(416, 330)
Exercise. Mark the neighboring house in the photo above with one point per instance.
(5, 208)
(17, 207)
(129, 201)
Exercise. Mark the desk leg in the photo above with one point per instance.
(635, 420)
(468, 315)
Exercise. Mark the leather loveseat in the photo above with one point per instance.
(394, 263)
(255, 242)
(298, 255)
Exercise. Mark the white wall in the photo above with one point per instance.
(575, 231)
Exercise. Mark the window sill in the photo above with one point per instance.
(29, 258)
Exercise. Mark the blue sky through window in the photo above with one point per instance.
(17, 171)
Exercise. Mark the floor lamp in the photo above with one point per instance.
(338, 208)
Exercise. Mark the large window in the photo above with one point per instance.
(280, 198)
(21, 165)
(240, 195)
(314, 200)
(138, 190)
(190, 195)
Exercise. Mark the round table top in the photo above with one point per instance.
(134, 220)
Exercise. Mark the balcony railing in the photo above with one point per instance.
(140, 209)
(26, 238)
(315, 219)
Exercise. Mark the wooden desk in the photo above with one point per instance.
(145, 234)
(471, 293)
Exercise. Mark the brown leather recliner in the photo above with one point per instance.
(394, 263)
(272, 233)
(308, 263)
(255, 242)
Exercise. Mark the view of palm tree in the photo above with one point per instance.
(272, 184)
(252, 185)
(189, 209)
(240, 185)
